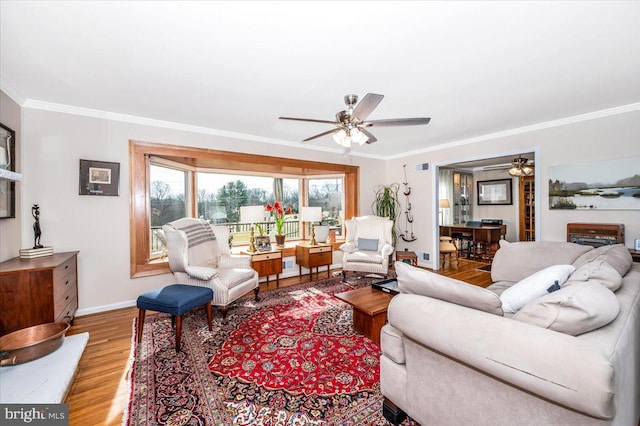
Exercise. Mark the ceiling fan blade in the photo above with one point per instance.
(328, 132)
(312, 120)
(397, 122)
(366, 106)
(372, 138)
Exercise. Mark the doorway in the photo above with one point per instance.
(456, 195)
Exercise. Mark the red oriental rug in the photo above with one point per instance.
(291, 358)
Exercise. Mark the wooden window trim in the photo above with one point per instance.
(139, 218)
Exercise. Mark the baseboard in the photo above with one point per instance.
(104, 308)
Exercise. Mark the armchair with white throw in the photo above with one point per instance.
(199, 255)
(368, 245)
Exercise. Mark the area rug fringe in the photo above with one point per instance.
(131, 363)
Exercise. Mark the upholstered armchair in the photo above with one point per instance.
(199, 255)
(368, 245)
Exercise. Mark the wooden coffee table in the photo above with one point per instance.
(369, 310)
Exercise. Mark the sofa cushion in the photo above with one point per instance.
(575, 309)
(516, 261)
(616, 255)
(364, 257)
(534, 286)
(419, 281)
(231, 277)
(598, 271)
(392, 343)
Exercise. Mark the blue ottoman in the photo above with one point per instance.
(174, 299)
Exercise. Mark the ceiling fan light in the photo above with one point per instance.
(342, 139)
(515, 171)
(358, 137)
(527, 170)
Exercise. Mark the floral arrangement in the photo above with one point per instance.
(278, 213)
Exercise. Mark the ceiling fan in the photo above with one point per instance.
(519, 166)
(351, 124)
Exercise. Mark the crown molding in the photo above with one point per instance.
(94, 113)
(525, 129)
(125, 118)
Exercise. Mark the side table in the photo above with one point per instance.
(314, 256)
(401, 256)
(267, 263)
(635, 255)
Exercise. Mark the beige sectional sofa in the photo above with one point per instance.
(570, 355)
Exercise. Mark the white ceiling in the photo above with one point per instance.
(475, 68)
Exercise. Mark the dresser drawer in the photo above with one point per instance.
(322, 258)
(321, 249)
(63, 272)
(67, 312)
(63, 299)
(266, 256)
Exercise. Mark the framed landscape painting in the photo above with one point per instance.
(598, 185)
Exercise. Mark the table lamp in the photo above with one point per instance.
(311, 214)
(252, 214)
(444, 204)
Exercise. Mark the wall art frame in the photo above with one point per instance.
(99, 178)
(612, 184)
(495, 192)
(7, 161)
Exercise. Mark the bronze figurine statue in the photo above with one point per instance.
(35, 212)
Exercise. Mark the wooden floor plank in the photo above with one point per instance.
(100, 390)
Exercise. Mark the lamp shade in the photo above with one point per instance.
(251, 214)
(311, 214)
(444, 203)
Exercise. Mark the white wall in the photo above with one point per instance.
(10, 227)
(52, 144)
(597, 139)
(98, 227)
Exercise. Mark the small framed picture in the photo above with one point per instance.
(494, 192)
(263, 243)
(99, 178)
(636, 244)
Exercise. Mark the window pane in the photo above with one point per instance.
(168, 202)
(220, 197)
(328, 193)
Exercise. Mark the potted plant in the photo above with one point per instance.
(386, 204)
(278, 212)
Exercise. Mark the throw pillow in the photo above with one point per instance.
(575, 309)
(421, 282)
(598, 271)
(368, 244)
(616, 255)
(534, 286)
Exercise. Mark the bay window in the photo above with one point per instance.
(169, 182)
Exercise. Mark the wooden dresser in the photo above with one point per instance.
(37, 291)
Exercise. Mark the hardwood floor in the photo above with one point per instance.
(99, 393)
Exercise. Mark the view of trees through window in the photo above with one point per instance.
(328, 194)
(219, 197)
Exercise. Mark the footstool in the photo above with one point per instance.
(174, 299)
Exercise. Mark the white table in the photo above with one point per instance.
(45, 380)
